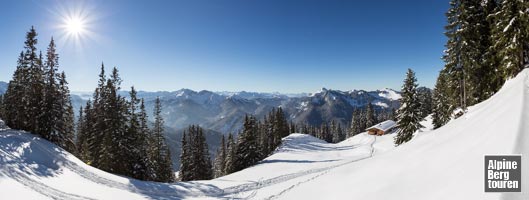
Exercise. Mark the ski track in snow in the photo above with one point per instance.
(165, 192)
(325, 170)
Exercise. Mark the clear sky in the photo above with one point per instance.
(287, 46)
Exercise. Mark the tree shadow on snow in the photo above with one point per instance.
(29, 154)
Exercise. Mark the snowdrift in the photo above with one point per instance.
(443, 164)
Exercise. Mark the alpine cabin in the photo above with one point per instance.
(382, 128)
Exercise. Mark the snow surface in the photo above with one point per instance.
(446, 163)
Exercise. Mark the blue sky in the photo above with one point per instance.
(287, 46)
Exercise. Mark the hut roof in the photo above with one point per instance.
(384, 126)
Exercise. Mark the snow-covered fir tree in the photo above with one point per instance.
(409, 113)
(195, 161)
(159, 151)
(220, 159)
(231, 146)
(247, 152)
(510, 35)
(370, 119)
(37, 98)
(441, 108)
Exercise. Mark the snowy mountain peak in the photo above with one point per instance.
(389, 94)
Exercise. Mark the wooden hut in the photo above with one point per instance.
(382, 128)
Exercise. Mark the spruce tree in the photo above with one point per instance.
(370, 116)
(408, 119)
(229, 165)
(220, 159)
(441, 108)
(159, 150)
(355, 124)
(425, 99)
(510, 35)
(65, 128)
(247, 153)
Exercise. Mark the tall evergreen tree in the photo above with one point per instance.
(425, 99)
(441, 108)
(220, 159)
(65, 128)
(185, 173)
(197, 163)
(247, 153)
(370, 116)
(161, 156)
(229, 165)
(510, 35)
(355, 124)
(409, 112)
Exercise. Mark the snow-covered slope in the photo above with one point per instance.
(443, 164)
(446, 163)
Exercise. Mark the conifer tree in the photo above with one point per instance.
(197, 163)
(355, 124)
(52, 110)
(370, 116)
(247, 153)
(220, 159)
(442, 110)
(425, 99)
(65, 127)
(510, 35)
(185, 173)
(229, 166)
(161, 155)
(409, 112)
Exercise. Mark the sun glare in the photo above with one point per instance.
(74, 26)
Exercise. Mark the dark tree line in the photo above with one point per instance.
(37, 98)
(488, 43)
(256, 141)
(114, 135)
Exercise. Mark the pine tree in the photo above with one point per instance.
(442, 110)
(136, 146)
(197, 163)
(80, 140)
(185, 160)
(355, 124)
(247, 153)
(425, 99)
(510, 35)
(220, 159)
(409, 113)
(14, 106)
(65, 123)
(52, 109)
(97, 126)
(370, 116)
(85, 132)
(229, 166)
(161, 156)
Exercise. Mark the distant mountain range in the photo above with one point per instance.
(223, 112)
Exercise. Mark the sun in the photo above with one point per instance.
(74, 26)
(75, 23)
